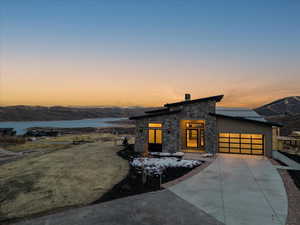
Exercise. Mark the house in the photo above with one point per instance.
(199, 126)
(287, 142)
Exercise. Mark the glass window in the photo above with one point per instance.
(257, 141)
(245, 135)
(158, 125)
(234, 135)
(257, 146)
(258, 152)
(151, 136)
(245, 140)
(236, 140)
(223, 139)
(234, 145)
(158, 137)
(224, 134)
(246, 151)
(235, 150)
(192, 138)
(224, 144)
(245, 146)
(224, 150)
(256, 135)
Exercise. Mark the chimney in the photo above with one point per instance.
(187, 97)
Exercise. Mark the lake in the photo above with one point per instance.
(21, 126)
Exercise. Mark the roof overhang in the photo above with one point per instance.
(158, 110)
(268, 123)
(154, 114)
(216, 98)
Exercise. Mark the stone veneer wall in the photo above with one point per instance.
(170, 130)
(171, 127)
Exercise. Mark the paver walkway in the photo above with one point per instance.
(238, 190)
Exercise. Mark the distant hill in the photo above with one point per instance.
(284, 106)
(40, 113)
(285, 111)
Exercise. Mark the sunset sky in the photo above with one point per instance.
(147, 53)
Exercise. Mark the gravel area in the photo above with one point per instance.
(293, 197)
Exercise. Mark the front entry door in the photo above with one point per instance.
(192, 138)
(195, 136)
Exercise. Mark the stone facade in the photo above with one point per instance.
(173, 131)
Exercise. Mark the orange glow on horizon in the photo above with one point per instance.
(130, 83)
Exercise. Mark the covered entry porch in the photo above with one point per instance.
(192, 135)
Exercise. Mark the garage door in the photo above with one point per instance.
(241, 143)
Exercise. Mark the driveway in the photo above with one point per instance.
(238, 190)
(233, 190)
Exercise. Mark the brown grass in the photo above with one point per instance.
(12, 140)
(58, 143)
(73, 176)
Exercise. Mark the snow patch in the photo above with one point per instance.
(206, 155)
(178, 154)
(158, 165)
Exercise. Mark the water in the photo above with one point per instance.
(20, 127)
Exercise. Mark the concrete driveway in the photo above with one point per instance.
(238, 190)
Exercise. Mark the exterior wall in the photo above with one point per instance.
(173, 131)
(170, 127)
(200, 111)
(275, 133)
(227, 125)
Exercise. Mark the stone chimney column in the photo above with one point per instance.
(187, 97)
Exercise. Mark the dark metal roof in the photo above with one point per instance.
(268, 123)
(239, 112)
(154, 114)
(216, 98)
(158, 110)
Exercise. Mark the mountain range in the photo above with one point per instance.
(41, 113)
(285, 111)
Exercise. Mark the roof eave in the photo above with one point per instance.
(248, 120)
(157, 110)
(154, 114)
(216, 98)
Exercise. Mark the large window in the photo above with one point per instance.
(241, 143)
(155, 133)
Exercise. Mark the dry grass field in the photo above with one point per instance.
(71, 176)
(60, 142)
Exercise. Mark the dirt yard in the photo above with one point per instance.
(71, 176)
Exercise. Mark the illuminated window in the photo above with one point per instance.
(224, 150)
(155, 133)
(158, 137)
(241, 143)
(245, 151)
(155, 125)
(151, 136)
(194, 125)
(256, 136)
(224, 134)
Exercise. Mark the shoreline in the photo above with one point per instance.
(50, 120)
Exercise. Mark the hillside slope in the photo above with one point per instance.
(40, 113)
(284, 106)
(285, 111)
